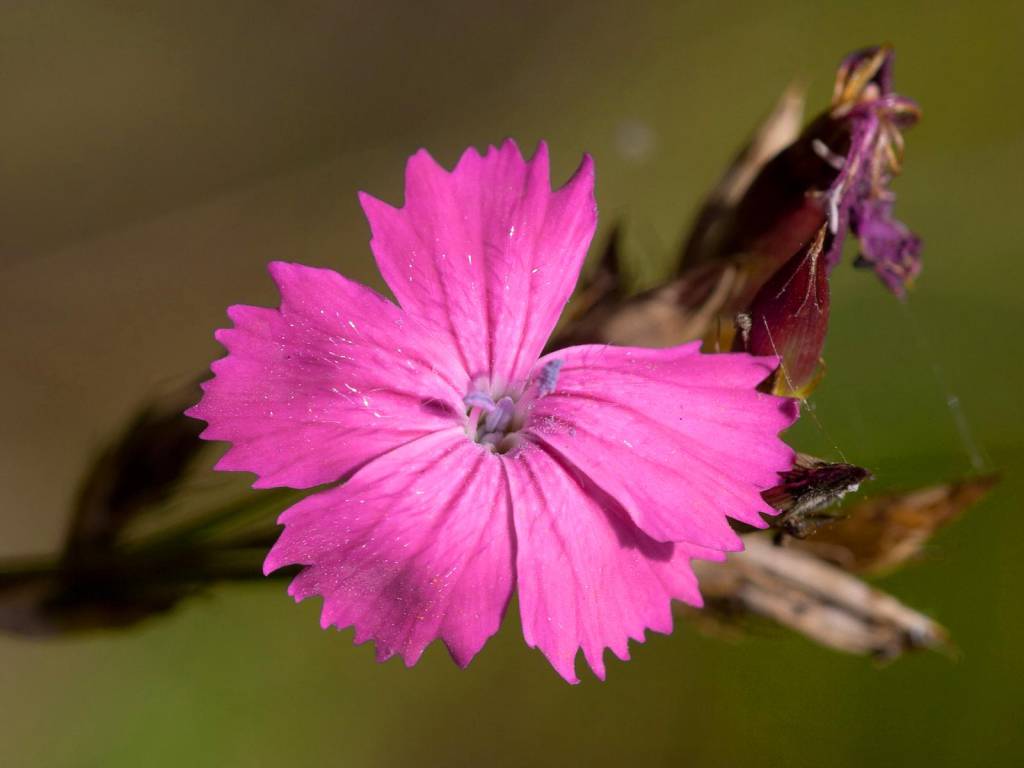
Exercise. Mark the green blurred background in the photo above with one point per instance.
(156, 155)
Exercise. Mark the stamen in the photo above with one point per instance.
(479, 400)
(494, 425)
(498, 419)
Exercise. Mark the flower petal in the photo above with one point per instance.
(588, 578)
(335, 377)
(486, 252)
(680, 439)
(416, 546)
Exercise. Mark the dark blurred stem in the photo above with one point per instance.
(221, 562)
(196, 552)
(232, 515)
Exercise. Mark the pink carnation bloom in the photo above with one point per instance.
(471, 466)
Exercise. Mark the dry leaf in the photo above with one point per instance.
(882, 533)
(778, 130)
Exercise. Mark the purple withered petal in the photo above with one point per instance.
(845, 191)
(886, 245)
(860, 199)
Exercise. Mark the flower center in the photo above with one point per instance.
(496, 420)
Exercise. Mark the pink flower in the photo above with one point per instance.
(472, 466)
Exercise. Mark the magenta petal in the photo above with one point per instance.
(588, 578)
(487, 252)
(335, 377)
(680, 439)
(416, 546)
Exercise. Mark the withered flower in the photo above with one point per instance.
(837, 171)
(773, 200)
(860, 197)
